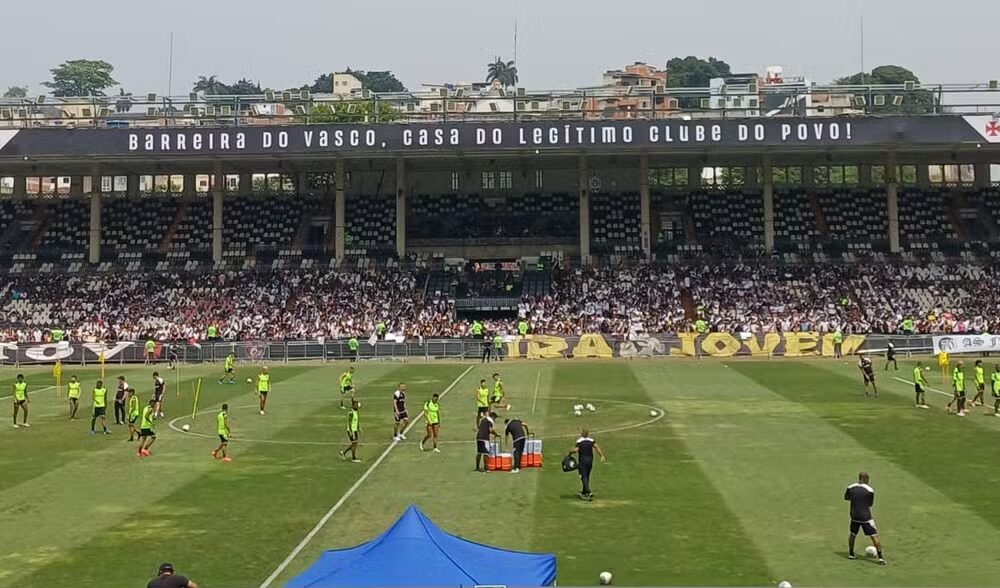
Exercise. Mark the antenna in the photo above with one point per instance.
(515, 40)
(862, 44)
(170, 67)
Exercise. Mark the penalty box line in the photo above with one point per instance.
(350, 492)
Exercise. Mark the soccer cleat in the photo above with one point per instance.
(402, 437)
(960, 413)
(343, 456)
(26, 425)
(146, 452)
(355, 460)
(213, 454)
(436, 450)
(17, 426)
(515, 471)
(106, 432)
(881, 561)
(227, 458)
(422, 444)
(851, 556)
(262, 413)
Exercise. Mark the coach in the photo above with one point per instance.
(518, 431)
(585, 448)
(167, 579)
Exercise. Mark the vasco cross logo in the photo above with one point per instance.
(946, 344)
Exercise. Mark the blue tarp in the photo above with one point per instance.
(415, 552)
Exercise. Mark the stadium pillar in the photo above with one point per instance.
(865, 175)
(983, 177)
(767, 180)
(94, 251)
(190, 187)
(892, 203)
(132, 185)
(584, 212)
(20, 186)
(245, 187)
(401, 187)
(644, 211)
(218, 189)
(339, 207)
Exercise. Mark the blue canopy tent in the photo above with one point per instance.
(415, 552)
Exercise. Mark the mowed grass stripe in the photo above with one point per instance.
(656, 518)
(181, 505)
(493, 508)
(782, 469)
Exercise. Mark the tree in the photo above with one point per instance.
(504, 72)
(16, 92)
(322, 85)
(694, 72)
(379, 81)
(124, 102)
(245, 87)
(350, 112)
(211, 86)
(916, 101)
(81, 77)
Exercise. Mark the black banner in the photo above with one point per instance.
(490, 137)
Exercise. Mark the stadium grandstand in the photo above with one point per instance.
(549, 208)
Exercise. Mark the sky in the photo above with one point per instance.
(561, 44)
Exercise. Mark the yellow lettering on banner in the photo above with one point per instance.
(687, 345)
(513, 348)
(720, 345)
(800, 344)
(851, 344)
(545, 347)
(592, 346)
(771, 342)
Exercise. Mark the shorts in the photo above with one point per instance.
(496, 399)
(434, 425)
(353, 436)
(147, 433)
(960, 394)
(133, 419)
(347, 390)
(483, 446)
(229, 370)
(868, 527)
(262, 393)
(869, 378)
(74, 398)
(158, 397)
(918, 388)
(100, 411)
(481, 410)
(980, 387)
(20, 402)
(223, 439)
(402, 416)
(996, 394)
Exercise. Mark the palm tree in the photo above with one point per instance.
(210, 85)
(503, 72)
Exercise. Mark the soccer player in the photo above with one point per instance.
(497, 398)
(353, 432)
(229, 369)
(920, 385)
(73, 389)
(432, 422)
(958, 389)
(263, 387)
(21, 401)
(133, 413)
(979, 377)
(890, 357)
(158, 387)
(150, 351)
(943, 363)
(484, 434)
(585, 448)
(346, 385)
(147, 436)
(482, 402)
(518, 432)
(222, 428)
(868, 373)
(862, 497)
(995, 385)
(171, 357)
(100, 408)
(400, 417)
(120, 395)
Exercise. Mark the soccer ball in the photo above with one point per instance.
(784, 584)
(591, 408)
(927, 368)
(605, 578)
(577, 412)
(870, 551)
(577, 407)
(653, 413)
(249, 380)
(186, 428)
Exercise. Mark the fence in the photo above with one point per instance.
(711, 345)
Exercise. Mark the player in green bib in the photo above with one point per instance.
(21, 401)
(147, 435)
(346, 385)
(263, 387)
(132, 413)
(995, 384)
(958, 389)
(100, 408)
(353, 432)
(920, 385)
(979, 377)
(229, 369)
(222, 428)
(73, 390)
(498, 392)
(482, 402)
(432, 422)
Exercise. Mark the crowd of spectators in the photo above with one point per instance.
(310, 305)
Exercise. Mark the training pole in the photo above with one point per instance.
(194, 406)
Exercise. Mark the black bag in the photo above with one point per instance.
(569, 463)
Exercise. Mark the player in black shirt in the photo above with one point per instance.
(168, 579)
(585, 448)
(159, 386)
(890, 357)
(518, 431)
(484, 434)
(862, 497)
(399, 415)
(868, 373)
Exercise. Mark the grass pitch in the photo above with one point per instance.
(740, 483)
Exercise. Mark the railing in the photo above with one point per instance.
(615, 103)
(712, 345)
